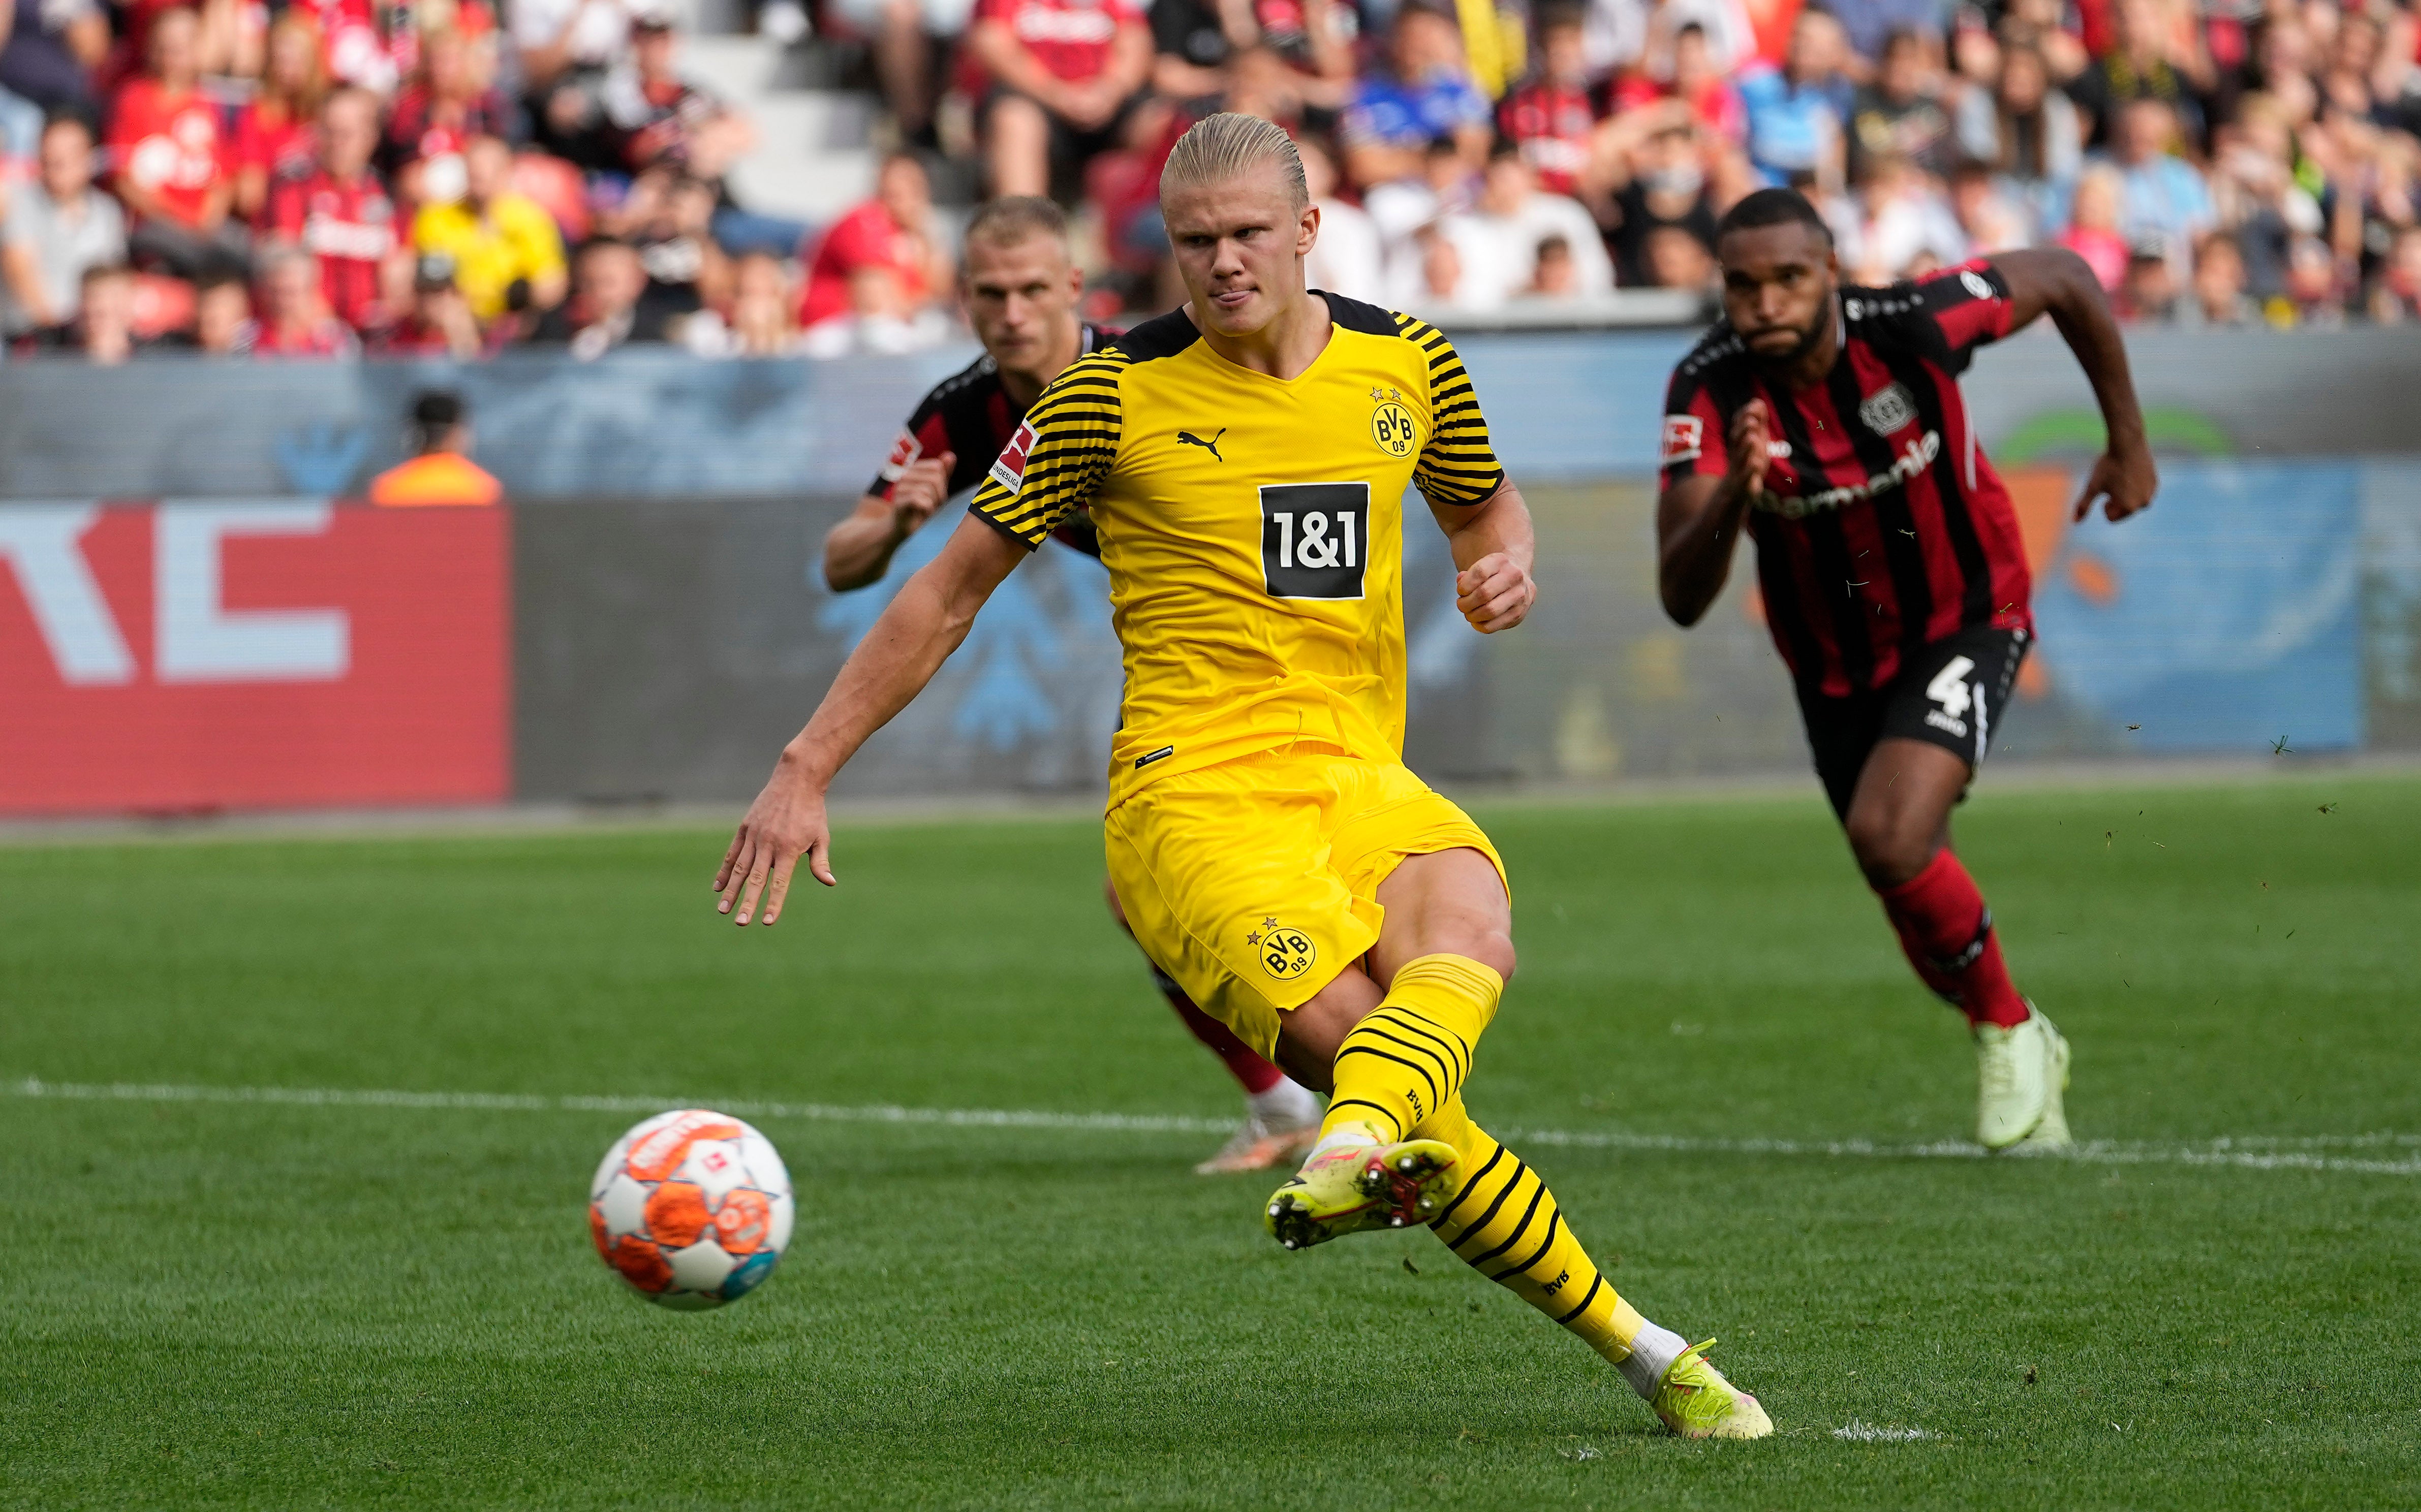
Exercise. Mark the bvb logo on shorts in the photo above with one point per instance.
(1286, 952)
(1391, 423)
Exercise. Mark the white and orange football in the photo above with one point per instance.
(692, 1209)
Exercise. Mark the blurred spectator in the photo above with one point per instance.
(1637, 37)
(1346, 258)
(48, 50)
(764, 319)
(2026, 130)
(2314, 294)
(295, 320)
(1677, 260)
(437, 322)
(500, 240)
(2150, 289)
(1554, 274)
(1512, 218)
(1197, 41)
(440, 471)
(55, 229)
(903, 34)
(1901, 113)
(272, 131)
(1991, 219)
(896, 230)
(880, 321)
(604, 310)
(1798, 112)
(668, 219)
(339, 212)
(450, 99)
(2261, 191)
(1660, 180)
(1895, 226)
(1427, 95)
(1553, 115)
(1867, 25)
(659, 116)
(2093, 231)
(2398, 298)
(1402, 207)
(2158, 193)
(2157, 58)
(2219, 297)
(171, 158)
(103, 330)
(223, 316)
(1701, 82)
(564, 48)
(1064, 73)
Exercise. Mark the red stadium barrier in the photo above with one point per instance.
(187, 656)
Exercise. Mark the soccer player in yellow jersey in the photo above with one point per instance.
(1244, 459)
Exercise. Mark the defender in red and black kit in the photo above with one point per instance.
(1828, 420)
(1020, 288)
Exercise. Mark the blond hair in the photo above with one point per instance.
(1219, 147)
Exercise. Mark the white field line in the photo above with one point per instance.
(2383, 1154)
(1857, 1432)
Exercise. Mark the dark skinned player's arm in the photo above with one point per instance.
(1699, 518)
(2055, 281)
(916, 633)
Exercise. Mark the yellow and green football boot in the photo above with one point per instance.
(1697, 1402)
(1362, 1185)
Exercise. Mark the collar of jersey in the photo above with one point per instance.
(1313, 366)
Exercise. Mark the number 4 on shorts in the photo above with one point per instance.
(1949, 686)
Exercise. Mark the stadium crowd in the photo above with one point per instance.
(332, 178)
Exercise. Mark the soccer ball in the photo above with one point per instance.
(691, 1208)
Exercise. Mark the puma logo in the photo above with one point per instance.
(1187, 438)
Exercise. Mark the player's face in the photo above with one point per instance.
(1778, 285)
(1239, 248)
(1020, 297)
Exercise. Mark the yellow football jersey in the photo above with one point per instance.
(1252, 526)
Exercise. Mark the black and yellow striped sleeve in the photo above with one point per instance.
(1058, 457)
(1459, 465)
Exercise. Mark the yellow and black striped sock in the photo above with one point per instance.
(1408, 1058)
(1504, 1223)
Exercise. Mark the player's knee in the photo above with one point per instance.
(1890, 848)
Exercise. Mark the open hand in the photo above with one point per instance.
(2124, 478)
(1751, 451)
(1495, 593)
(785, 823)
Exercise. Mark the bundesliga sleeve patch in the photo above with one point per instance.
(1008, 468)
(1684, 438)
(903, 451)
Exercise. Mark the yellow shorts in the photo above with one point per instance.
(1254, 882)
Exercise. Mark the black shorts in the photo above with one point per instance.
(1073, 146)
(1951, 693)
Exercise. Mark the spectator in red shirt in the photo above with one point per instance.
(272, 131)
(448, 101)
(295, 320)
(340, 213)
(1065, 73)
(1554, 118)
(172, 159)
(895, 229)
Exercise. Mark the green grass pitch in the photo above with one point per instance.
(215, 1305)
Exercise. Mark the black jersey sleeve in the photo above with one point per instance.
(1459, 465)
(1056, 459)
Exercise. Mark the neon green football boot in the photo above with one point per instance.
(1356, 1186)
(2020, 1074)
(1697, 1402)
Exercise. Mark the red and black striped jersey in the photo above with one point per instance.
(970, 414)
(1881, 526)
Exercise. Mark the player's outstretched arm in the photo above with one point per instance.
(899, 656)
(2055, 281)
(1698, 520)
(858, 549)
(1494, 548)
